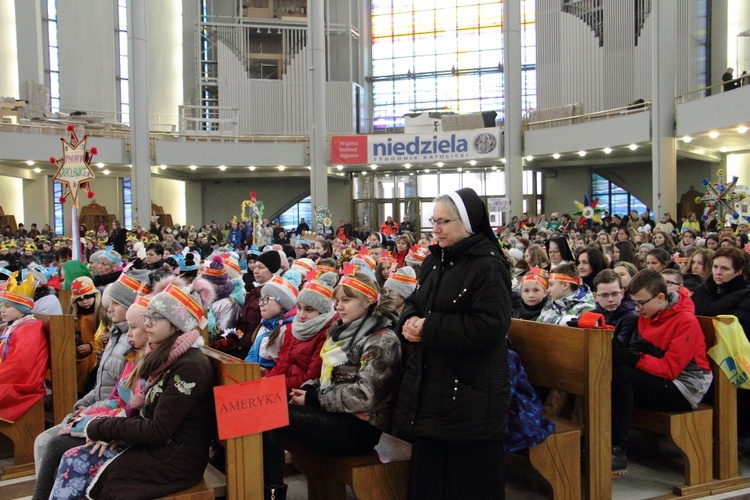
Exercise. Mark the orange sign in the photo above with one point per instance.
(251, 407)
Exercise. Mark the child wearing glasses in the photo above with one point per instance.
(85, 301)
(616, 307)
(278, 307)
(164, 448)
(665, 368)
(343, 412)
(569, 297)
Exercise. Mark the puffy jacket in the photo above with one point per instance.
(624, 319)
(732, 297)
(110, 366)
(300, 360)
(455, 386)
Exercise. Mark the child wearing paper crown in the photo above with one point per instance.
(344, 411)
(402, 283)
(533, 295)
(85, 301)
(23, 355)
(569, 297)
(278, 308)
(165, 447)
(300, 359)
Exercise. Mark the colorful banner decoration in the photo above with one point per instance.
(416, 148)
(722, 199)
(251, 407)
(588, 212)
(74, 172)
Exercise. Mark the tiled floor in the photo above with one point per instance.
(645, 479)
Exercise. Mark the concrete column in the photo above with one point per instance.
(30, 43)
(663, 153)
(513, 110)
(140, 151)
(316, 103)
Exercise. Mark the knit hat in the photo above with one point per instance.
(366, 265)
(189, 262)
(417, 254)
(94, 257)
(317, 295)
(232, 265)
(184, 307)
(270, 259)
(128, 286)
(72, 270)
(21, 302)
(303, 266)
(81, 287)
(474, 214)
(215, 273)
(403, 282)
(293, 277)
(282, 290)
(136, 315)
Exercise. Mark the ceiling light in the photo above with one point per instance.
(460, 169)
(713, 134)
(387, 175)
(687, 139)
(129, 166)
(339, 167)
(163, 167)
(528, 158)
(38, 170)
(723, 150)
(30, 163)
(582, 153)
(251, 168)
(607, 150)
(281, 168)
(742, 129)
(364, 172)
(407, 165)
(105, 172)
(193, 167)
(473, 162)
(222, 167)
(440, 164)
(502, 160)
(373, 166)
(700, 151)
(308, 167)
(411, 173)
(341, 174)
(494, 167)
(633, 147)
(427, 171)
(556, 156)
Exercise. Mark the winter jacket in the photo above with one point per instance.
(110, 366)
(624, 319)
(23, 364)
(531, 313)
(300, 360)
(169, 439)
(564, 309)
(455, 386)
(732, 297)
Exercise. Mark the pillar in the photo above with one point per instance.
(316, 104)
(513, 130)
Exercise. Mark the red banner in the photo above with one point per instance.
(251, 407)
(349, 149)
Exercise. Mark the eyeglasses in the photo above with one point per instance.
(152, 319)
(607, 296)
(264, 300)
(439, 222)
(673, 283)
(641, 305)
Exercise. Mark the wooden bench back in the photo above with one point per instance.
(726, 464)
(579, 362)
(64, 297)
(244, 455)
(61, 335)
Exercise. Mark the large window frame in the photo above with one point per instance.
(613, 198)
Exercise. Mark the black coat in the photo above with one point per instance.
(624, 319)
(456, 387)
(732, 297)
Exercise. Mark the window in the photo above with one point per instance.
(58, 224)
(300, 210)
(127, 203)
(53, 68)
(444, 54)
(121, 62)
(613, 198)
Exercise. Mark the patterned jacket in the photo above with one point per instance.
(564, 309)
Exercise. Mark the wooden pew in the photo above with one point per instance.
(579, 362)
(244, 455)
(382, 474)
(60, 331)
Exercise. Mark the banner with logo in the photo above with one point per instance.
(416, 148)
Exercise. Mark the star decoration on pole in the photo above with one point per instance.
(588, 212)
(721, 198)
(74, 168)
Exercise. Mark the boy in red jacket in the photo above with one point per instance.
(665, 366)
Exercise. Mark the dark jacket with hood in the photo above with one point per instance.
(624, 319)
(456, 387)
